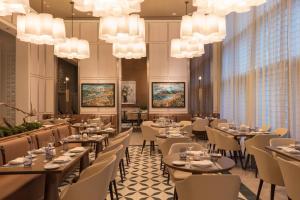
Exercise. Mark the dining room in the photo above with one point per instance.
(148, 99)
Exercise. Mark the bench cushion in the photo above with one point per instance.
(63, 131)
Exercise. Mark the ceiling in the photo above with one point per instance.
(151, 9)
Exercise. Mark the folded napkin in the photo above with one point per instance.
(17, 161)
(202, 163)
(61, 159)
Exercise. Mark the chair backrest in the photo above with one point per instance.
(63, 131)
(166, 145)
(275, 142)
(268, 168)
(199, 124)
(44, 137)
(123, 134)
(225, 142)
(187, 126)
(209, 187)
(132, 116)
(259, 141)
(149, 132)
(291, 176)
(280, 131)
(14, 148)
(210, 135)
(179, 147)
(215, 122)
(226, 125)
(185, 123)
(93, 182)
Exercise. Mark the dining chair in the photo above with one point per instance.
(93, 183)
(44, 137)
(132, 117)
(117, 151)
(209, 187)
(276, 142)
(281, 132)
(199, 127)
(211, 138)
(268, 171)
(149, 134)
(121, 135)
(108, 125)
(63, 131)
(215, 122)
(227, 143)
(259, 141)
(291, 176)
(187, 127)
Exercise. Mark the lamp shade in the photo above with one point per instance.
(72, 48)
(131, 50)
(40, 29)
(186, 48)
(122, 29)
(203, 27)
(7, 7)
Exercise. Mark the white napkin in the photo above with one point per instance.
(17, 161)
(62, 159)
(202, 163)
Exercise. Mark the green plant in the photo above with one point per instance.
(27, 126)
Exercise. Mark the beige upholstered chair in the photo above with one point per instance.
(215, 122)
(93, 182)
(268, 170)
(225, 142)
(211, 138)
(187, 127)
(280, 131)
(117, 150)
(199, 124)
(291, 176)
(258, 141)
(276, 142)
(209, 187)
(226, 125)
(149, 134)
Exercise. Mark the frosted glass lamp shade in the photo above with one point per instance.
(133, 50)
(8, 7)
(186, 48)
(72, 48)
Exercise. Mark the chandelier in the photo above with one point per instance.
(7, 7)
(186, 48)
(72, 47)
(128, 28)
(101, 8)
(205, 27)
(225, 7)
(132, 50)
(40, 28)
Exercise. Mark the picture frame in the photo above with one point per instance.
(97, 95)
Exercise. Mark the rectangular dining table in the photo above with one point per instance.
(239, 134)
(292, 156)
(53, 176)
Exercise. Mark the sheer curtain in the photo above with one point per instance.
(261, 66)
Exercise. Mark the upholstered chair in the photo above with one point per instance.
(276, 142)
(268, 171)
(149, 134)
(209, 187)
(211, 138)
(281, 132)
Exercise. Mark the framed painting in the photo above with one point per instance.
(168, 94)
(128, 91)
(97, 95)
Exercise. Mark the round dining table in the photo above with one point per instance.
(221, 165)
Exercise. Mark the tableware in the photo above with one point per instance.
(39, 151)
(51, 166)
(202, 163)
(69, 154)
(178, 162)
(62, 159)
(17, 161)
(77, 150)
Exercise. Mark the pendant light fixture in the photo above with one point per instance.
(40, 28)
(133, 50)
(188, 47)
(72, 47)
(128, 28)
(8, 7)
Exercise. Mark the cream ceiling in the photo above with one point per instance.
(151, 9)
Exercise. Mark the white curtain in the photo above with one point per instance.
(261, 66)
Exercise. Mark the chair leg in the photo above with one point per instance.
(168, 181)
(273, 191)
(241, 159)
(116, 189)
(111, 191)
(230, 154)
(247, 161)
(175, 196)
(144, 143)
(261, 182)
(235, 156)
(128, 155)
(161, 162)
(121, 172)
(123, 167)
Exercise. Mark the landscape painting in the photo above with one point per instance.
(98, 95)
(168, 94)
(128, 92)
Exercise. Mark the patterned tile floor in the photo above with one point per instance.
(144, 178)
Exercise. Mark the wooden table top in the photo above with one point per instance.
(39, 163)
(223, 164)
(156, 125)
(292, 156)
(238, 133)
(165, 136)
(85, 140)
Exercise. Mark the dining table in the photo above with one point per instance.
(241, 133)
(295, 156)
(219, 165)
(165, 136)
(166, 125)
(53, 176)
